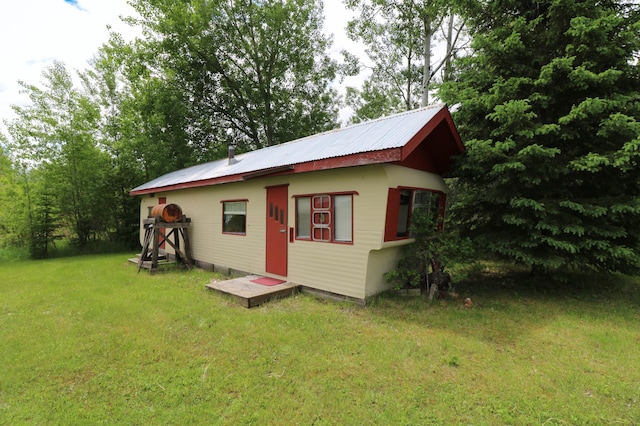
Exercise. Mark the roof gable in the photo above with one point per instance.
(424, 139)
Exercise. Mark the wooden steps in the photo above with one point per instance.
(250, 294)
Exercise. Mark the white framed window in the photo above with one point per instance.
(234, 217)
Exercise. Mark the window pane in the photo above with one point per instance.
(343, 218)
(303, 217)
(321, 218)
(421, 200)
(428, 202)
(321, 202)
(234, 217)
(403, 213)
(321, 234)
(235, 207)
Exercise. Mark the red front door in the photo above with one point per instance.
(276, 257)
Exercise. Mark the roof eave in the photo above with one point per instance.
(391, 155)
(442, 116)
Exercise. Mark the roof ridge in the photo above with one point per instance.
(362, 123)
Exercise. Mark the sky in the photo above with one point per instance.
(34, 33)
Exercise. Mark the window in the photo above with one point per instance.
(401, 205)
(403, 213)
(325, 217)
(343, 211)
(303, 213)
(234, 215)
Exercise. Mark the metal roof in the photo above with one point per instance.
(393, 131)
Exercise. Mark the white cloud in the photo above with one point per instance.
(37, 32)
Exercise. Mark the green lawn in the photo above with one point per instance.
(86, 340)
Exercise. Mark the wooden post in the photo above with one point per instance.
(154, 254)
(176, 239)
(187, 246)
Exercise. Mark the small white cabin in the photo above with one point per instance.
(329, 212)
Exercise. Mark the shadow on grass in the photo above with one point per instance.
(64, 249)
(509, 303)
(503, 282)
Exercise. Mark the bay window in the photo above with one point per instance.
(401, 204)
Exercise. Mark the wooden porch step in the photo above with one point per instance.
(249, 294)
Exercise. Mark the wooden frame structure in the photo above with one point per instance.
(155, 234)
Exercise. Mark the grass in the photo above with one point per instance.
(86, 340)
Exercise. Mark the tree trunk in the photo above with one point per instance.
(426, 73)
(447, 64)
(409, 80)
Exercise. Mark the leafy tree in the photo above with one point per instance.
(53, 141)
(106, 83)
(141, 129)
(549, 106)
(255, 73)
(374, 100)
(399, 38)
(427, 261)
(12, 230)
(28, 216)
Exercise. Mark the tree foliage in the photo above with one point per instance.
(549, 106)
(12, 219)
(53, 141)
(206, 75)
(253, 73)
(427, 261)
(398, 36)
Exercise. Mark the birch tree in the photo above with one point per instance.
(399, 37)
(52, 140)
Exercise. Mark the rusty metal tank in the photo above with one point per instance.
(168, 213)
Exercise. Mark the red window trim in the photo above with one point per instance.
(331, 210)
(237, 200)
(326, 193)
(393, 205)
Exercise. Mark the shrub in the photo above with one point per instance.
(424, 263)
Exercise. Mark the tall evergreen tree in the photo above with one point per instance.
(550, 102)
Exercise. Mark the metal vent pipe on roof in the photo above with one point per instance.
(232, 155)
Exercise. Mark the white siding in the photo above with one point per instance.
(340, 268)
(355, 270)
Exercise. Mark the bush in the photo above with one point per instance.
(424, 263)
